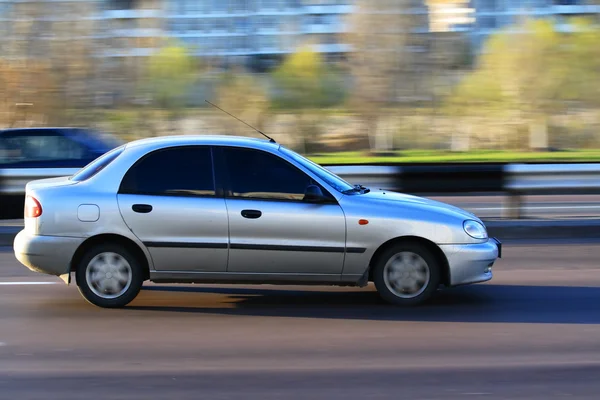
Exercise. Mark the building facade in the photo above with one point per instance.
(256, 33)
(493, 15)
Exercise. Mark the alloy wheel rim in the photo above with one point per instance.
(108, 275)
(406, 274)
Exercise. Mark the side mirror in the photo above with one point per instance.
(313, 194)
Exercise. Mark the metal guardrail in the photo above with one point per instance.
(514, 180)
(548, 178)
(380, 176)
(532, 179)
(518, 180)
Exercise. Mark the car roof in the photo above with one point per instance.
(215, 140)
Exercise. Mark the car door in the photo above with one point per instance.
(272, 229)
(169, 201)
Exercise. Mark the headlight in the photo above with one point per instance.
(475, 229)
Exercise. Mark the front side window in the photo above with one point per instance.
(259, 175)
(183, 171)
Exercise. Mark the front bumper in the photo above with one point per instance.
(472, 263)
(50, 255)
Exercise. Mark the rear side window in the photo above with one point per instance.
(97, 165)
(183, 171)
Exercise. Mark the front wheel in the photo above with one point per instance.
(406, 274)
(109, 276)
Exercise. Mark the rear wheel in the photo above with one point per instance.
(407, 274)
(109, 276)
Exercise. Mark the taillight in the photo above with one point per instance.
(33, 208)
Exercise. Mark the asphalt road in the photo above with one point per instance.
(531, 333)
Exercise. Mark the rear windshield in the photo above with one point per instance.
(97, 165)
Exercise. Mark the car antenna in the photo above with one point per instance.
(257, 130)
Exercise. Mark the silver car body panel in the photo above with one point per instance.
(470, 263)
(289, 237)
(250, 277)
(181, 233)
(205, 239)
(47, 254)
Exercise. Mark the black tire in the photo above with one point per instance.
(128, 292)
(420, 297)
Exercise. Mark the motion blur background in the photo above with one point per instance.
(418, 79)
(410, 85)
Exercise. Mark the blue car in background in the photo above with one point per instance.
(35, 153)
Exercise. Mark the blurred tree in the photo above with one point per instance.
(306, 84)
(535, 71)
(73, 59)
(170, 72)
(48, 60)
(582, 78)
(304, 81)
(387, 61)
(243, 96)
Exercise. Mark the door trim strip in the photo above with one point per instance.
(245, 246)
(186, 245)
(315, 249)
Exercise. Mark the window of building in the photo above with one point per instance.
(268, 23)
(221, 25)
(238, 6)
(220, 6)
(268, 42)
(487, 22)
(567, 2)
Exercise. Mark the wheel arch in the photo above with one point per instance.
(129, 244)
(431, 246)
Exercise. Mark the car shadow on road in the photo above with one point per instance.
(478, 303)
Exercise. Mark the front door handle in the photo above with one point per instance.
(252, 214)
(141, 208)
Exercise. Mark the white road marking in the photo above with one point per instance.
(27, 283)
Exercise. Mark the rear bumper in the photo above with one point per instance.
(50, 255)
(472, 263)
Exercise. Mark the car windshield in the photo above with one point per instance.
(332, 179)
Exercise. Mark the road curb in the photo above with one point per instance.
(501, 229)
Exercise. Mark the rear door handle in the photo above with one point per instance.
(141, 208)
(252, 214)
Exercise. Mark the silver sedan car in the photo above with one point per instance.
(222, 209)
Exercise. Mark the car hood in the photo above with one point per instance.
(388, 197)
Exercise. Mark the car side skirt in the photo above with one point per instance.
(254, 278)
